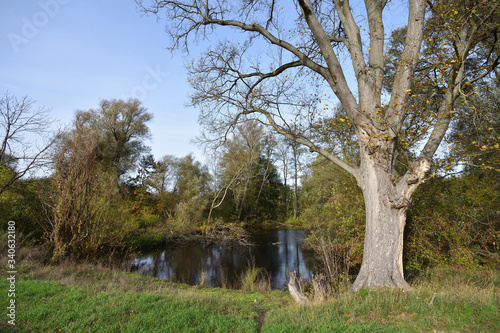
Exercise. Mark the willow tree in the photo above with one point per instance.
(122, 128)
(289, 53)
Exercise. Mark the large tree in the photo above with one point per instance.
(295, 52)
(102, 146)
(122, 128)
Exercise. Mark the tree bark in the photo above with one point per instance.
(386, 204)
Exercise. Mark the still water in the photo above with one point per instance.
(278, 253)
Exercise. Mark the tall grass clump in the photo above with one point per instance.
(255, 279)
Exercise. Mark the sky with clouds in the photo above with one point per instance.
(70, 54)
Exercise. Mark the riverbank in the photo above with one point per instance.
(153, 237)
(216, 232)
(89, 298)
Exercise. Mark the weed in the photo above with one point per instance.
(255, 278)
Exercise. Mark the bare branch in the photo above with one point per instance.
(408, 59)
(304, 141)
(21, 125)
(338, 81)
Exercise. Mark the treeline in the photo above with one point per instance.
(107, 192)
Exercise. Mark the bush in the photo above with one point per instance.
(453, 221)
(333, 211)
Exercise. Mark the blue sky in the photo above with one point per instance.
(70, 54)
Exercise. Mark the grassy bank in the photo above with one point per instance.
(86, 298)
(448, 301)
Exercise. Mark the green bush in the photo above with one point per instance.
(453, 221)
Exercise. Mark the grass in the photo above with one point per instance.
(250, 278)
(87, 298)
(255, 278)
(448, 300)
(51, 306)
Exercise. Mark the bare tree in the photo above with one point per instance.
(220, 190)
(279, 85)
(25, 137)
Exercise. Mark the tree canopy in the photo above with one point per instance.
(122, 127)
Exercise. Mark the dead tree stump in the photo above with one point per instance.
(295, 288)
(320, 288)
(297, 291)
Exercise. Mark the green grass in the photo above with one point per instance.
(464, 301)
(46, 306)
(390, 311)
(250, 277)
(86, 298)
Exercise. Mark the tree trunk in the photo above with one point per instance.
(264, 178)
(386, 209)
(243, 199)
(295, 185)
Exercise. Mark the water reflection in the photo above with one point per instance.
(278, 253)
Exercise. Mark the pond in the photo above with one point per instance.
(278, 253)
